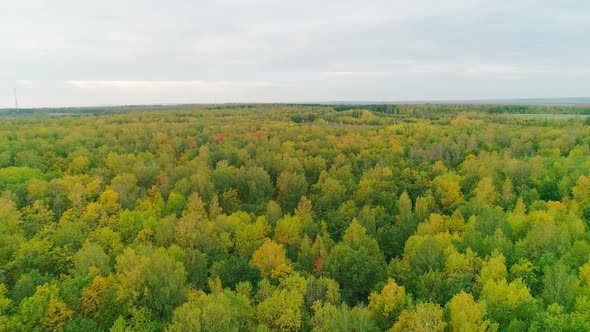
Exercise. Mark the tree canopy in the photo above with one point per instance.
(296, 218)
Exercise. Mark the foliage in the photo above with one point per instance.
(295, 218)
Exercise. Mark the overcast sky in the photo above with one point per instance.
(110, 52)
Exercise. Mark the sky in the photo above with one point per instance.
(122, 52)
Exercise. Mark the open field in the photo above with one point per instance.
(552, 116)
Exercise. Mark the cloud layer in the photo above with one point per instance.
(63, 53)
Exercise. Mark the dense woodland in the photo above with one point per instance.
(296, 218)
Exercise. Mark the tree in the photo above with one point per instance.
(555, 318)
(230, 200)
(282, 311)
(269, 257)
(422, 207)
(507, 194)
(195, 264)
(4, 306)
(233, 218)
(289, 230)
(153, 279)
(323, 290)
(404, 208)
(426, 317)
(250, 237)
(507, 301)
(131, 223)
(176, 204)
(99, 301)
(139, 319)
(388, 305)
(38, 254)
(331, 318)
(306, 258)
(79, 165)
(560, 286)
(330, 194)
(393, 237)
(109, 200)
(424, 253)
(290, 188)
(356, 263)
(467, 315)
(581, 191)
(304, 208)
(255, 187)
(43, 311)
(494, 269)
(125, 185)
(234, 270)
(218, 311)
(581, 194)
(191, 228)
(10, 217)
(82, 324)
(91, 256)
(447, 189)
(485, 192)
(273, 212)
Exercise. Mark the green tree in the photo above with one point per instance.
(153, 279)
(234, 270)
(176, 204)
(44, 311)
(218, 311)
(290, 188)
(91, 256)
(4, 306)
(356, 263)
(560, 286)
(508, 301)
(332, 318)
(282, 311)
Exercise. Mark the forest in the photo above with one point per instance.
(296, 218)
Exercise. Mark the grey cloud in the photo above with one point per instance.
(301, 50)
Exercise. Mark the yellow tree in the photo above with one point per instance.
(466, 315)
(44, 310)
(447, 189)
(404, 208)
(581, 191)
(282, 311)
(485, 192)
(248, 238)
(192, 226)
(506, 301)
(289, 231)
(427, 317)
(4, 306)
(494, 269)
(109, 200)
(269, 257)
(387, 305)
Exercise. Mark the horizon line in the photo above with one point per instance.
(543, 101)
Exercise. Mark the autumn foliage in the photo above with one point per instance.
(296, 218)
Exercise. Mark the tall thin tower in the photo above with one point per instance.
(15, 99)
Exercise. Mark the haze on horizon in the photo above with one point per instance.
(77, 53)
